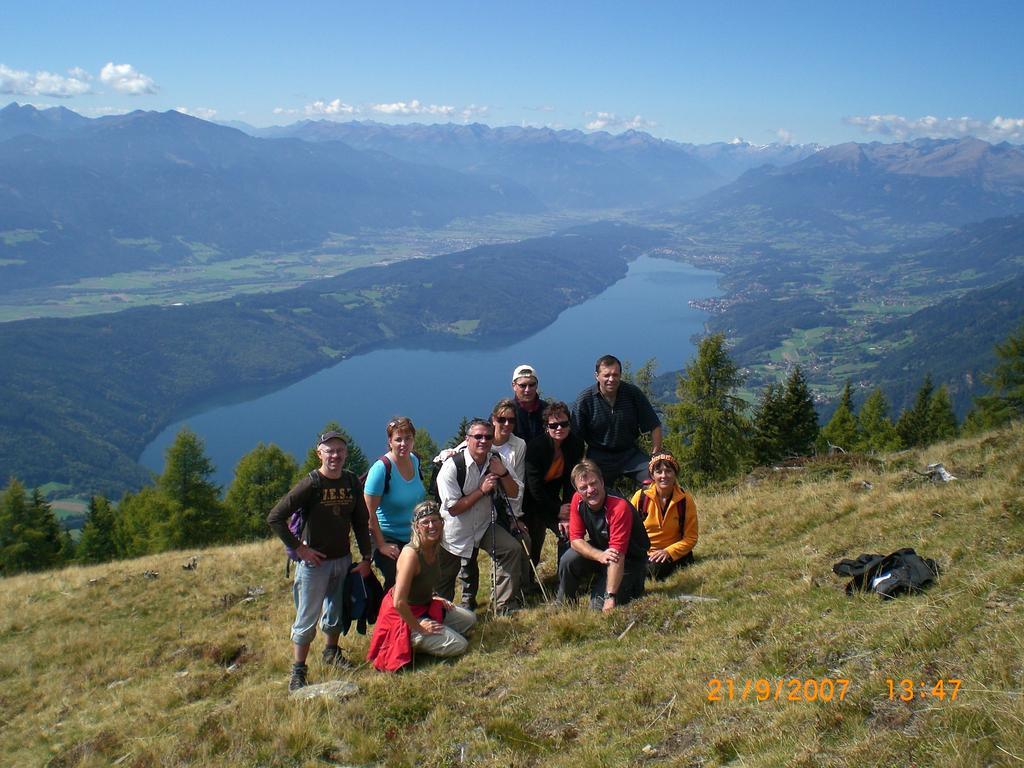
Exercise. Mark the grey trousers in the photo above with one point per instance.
(451, 640)
(508, 559)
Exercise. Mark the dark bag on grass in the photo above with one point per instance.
(888, 575)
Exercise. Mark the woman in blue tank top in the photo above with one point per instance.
(393, 488)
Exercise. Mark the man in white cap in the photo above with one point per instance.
(529, 406)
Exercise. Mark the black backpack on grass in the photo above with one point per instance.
(901, 572)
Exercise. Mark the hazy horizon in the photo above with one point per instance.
(689, 72)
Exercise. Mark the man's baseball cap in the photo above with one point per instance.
(523, 370)
(330, 436)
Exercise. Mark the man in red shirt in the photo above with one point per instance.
(608, 544)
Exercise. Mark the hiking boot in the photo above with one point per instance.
(333, 658)
(298, 678)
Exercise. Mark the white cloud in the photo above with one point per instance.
(413, 107)
(541, 108)
(42, 83)
(103, 111)
(320, 107)
(609, 121)
(124, 78)
(203, 113)
(903, 128)
(784, 136)
(474, 111)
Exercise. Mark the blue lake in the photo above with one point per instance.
(644, 315)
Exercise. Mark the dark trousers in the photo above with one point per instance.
(575, 570)
(535, 526)
(388, 568)
(661, 571)
(469, 578)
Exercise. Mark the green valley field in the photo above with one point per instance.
(105, 666)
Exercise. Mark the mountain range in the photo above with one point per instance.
(92, 197)
(861, 188)
(84, 197)
(564, 168)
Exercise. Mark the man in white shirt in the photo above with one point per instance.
(469, 516)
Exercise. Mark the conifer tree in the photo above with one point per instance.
(707, 427)
(767, 424)
(799, 427)
(356, 462)
(197, 514)
(30, 535)
(141, 523)
(262, 477)
(942, 423)
(841, 429)
(97, 542)
(14, 520)
(425, 448)
(877, 433)
(643, 378)
(1005, 399)
(460, 433)
(51, 539)
(913, 424)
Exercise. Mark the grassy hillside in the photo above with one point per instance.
(103, 665)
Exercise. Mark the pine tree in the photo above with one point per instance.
(97, 542)
(141, 521)
(1005, 399)
(356, 461)
(644, 376)
(262, 477)
(767, 424)
(50, 541)
(799, 427)
(913, 424)
(460, 433)
(841, 429)
(197, 514)
(31, 538)
(942, 423)
(14, 520)
(877, 433)
(707, 427)
(425, 448)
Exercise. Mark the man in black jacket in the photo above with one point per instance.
(332, 505)
(529, 406)
(610, 416)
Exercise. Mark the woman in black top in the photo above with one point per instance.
(549, 462)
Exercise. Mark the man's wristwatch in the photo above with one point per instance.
(609, 596)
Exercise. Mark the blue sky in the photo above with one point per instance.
(791, 71)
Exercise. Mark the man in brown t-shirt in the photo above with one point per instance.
(332, 502)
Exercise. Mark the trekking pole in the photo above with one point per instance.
(494, 566)
(543, 592)
(522, 542)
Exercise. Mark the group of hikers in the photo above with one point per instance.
(531, 468)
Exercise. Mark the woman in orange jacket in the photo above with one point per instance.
(670, 517)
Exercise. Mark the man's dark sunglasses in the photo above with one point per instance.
(481, 437)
